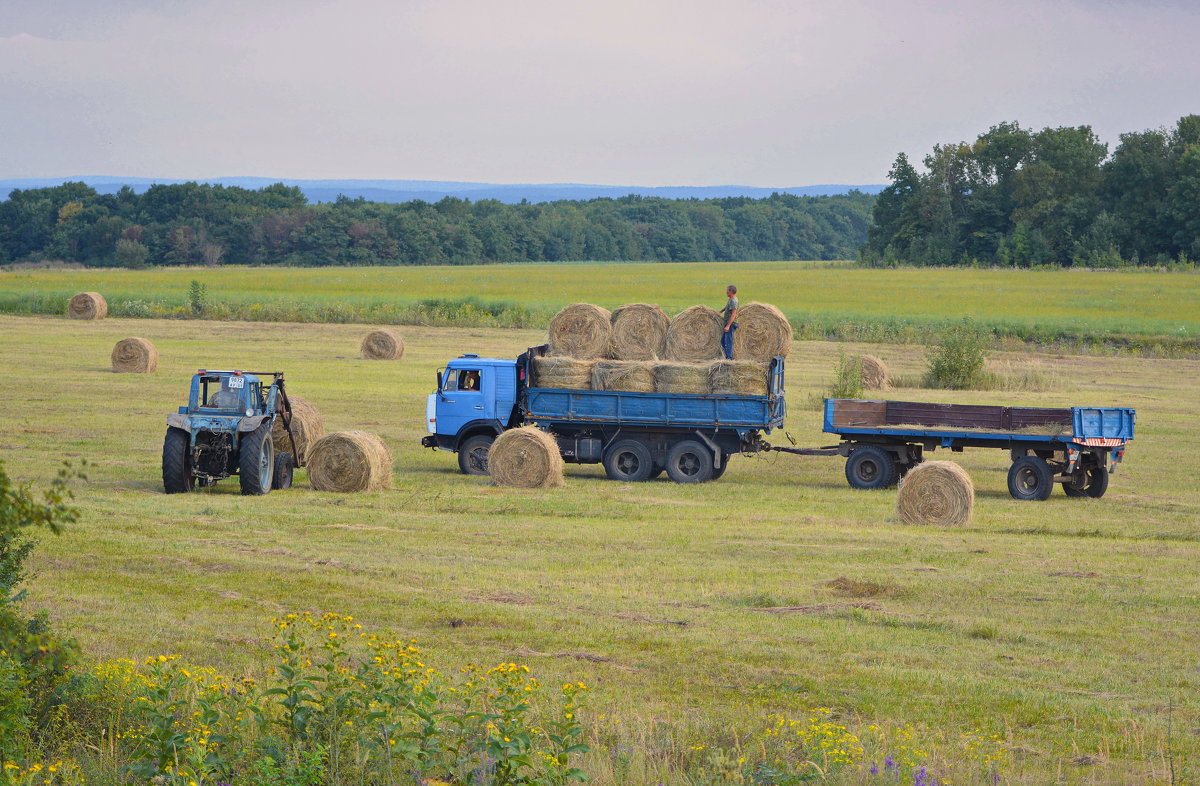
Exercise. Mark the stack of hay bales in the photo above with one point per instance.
(382, 344)
(638, 349)
(936, 492)
(525, 457)
(307, 427)
(134, 356)
(88, 305)
(349, 461)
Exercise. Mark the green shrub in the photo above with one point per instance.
(849, 380)
(956, 362)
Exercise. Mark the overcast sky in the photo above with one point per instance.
(629, 92)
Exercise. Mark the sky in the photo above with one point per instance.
(624, 92)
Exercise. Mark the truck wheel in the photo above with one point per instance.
(256, 461)
(719, 471)
(284, 469)
(628, 461)
(1030, 478)
(473, 454)
(689, 462)
(871, 467)
(1090, 482)
(177, 462)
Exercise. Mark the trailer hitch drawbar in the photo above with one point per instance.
(830, 450)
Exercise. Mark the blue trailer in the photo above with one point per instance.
(638, 436)
(1078, 447)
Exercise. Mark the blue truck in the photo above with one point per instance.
(639, 436)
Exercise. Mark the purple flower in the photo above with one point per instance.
(890, 763)
(874, 768)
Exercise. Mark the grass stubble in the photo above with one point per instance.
(1068, 627)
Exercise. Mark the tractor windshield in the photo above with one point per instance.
(222, 392)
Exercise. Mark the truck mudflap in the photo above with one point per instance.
(429, 441)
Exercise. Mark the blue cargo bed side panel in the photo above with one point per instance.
(659, 409)
(1103, 422)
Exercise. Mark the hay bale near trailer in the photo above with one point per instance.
(687, 378)
(694, 336)
(763, 332)
(737, 378)
(581, 330)
(562, 373)
(639, 332)
(625, 375)
(525, 457)
(349, 461)
(936, 492)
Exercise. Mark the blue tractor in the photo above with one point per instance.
(225, 429)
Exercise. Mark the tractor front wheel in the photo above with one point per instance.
(177, 461)
(256, 461)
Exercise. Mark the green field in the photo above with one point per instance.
(1153, 312)
(1066, 627)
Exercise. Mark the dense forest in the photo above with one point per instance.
(1021, 198)
(193, 224)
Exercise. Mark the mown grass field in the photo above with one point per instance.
(1145, 310)
(1066, 627)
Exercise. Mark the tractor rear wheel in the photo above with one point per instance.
(177, 461)
(256, 461)
(284, 467)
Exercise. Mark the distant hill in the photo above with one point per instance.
(434, 190)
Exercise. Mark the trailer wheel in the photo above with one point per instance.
(1090, 482)
(177, 462)
(1030, 478)
(719, 471)
(689, 462)
(628, 461)
(256, 461)
(473, 454)
(871, 467)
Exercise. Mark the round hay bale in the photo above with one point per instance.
(563, 373)
(639, 332)
(687, 378)
(349, 461)
(936, 492)
(580, 330)
(737, 378)
(527, 458)
(874, 373)
(694, 335)
(632, 376)
(763, 332)
(307, 427)
(134, 355)
(383, 344)
(88, 305)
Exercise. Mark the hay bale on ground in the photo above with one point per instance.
(762, 333)
(88, 305)
(383, 344)
(562, 373)
(527, 458)
(134, 355)
(307, 427)
(689, 378)
(639, 332)
(694, 335)
(629, 375)
(936, 492)
(874, 373)
(737, 378)
(349, 461)
(582, 331)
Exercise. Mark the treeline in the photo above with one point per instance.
(1053, 197)
(194, 224)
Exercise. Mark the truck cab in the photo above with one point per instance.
(475, 401)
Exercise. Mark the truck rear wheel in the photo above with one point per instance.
(473, 454)
(690, 462)
(628, 461)
(177, 462)
(871, 467)
(1090, 482)
(256, 461)
(1030, 478)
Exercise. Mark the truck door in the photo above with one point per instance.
(463, 399)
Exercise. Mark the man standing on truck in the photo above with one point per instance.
(729, 315)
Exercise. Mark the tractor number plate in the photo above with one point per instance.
(236, 382)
